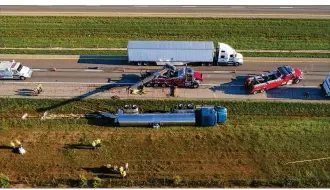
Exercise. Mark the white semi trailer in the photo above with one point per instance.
(182, 53)
(14, 70)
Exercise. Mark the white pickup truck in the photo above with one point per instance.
(14, 70)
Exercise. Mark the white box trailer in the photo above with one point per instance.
(326, 86)
(182, 53)
(14, 70)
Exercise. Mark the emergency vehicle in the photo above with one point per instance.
(14, 70)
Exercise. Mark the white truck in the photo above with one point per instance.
(182, 53)
(14, 70)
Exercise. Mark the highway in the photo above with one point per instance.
(74, 79)
(320, 12)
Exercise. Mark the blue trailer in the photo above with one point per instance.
(201, 116)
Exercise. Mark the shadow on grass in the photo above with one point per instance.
(5, 147)
(78, 146)
(126, 80)
(103, 172)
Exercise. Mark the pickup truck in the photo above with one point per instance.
(14, 70)
(282, 76)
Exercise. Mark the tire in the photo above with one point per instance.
(202, 64)
(209, 64)
(138, 63)
(22, 78)
(195, 85)
(156, 85)
(255, 92)
(236, 64)
(164, 85)
(262, 90)
(148, 85)
(296, 81)
(145, 64)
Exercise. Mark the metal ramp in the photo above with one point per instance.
(166, 68)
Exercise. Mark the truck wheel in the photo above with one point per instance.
(145, 64)
(148, 85)
(236, 64)
(22, 78)
(262, 90)
(209, 64)
(202, 64)
(164, 85)
(255, 92)
(156, 85)
(195, 85)
(296, 81)
(139, 63)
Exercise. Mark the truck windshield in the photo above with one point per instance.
(19, 68)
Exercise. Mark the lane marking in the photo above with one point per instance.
(188, 6)
(286, 7)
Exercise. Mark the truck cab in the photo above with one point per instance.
(226, 55)
(14, 70)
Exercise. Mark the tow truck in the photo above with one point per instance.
(14, 70)
(282, 76)
(169, 75)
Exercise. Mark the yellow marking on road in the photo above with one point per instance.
(159, 13)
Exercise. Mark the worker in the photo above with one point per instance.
(124, 174)
(307, 95)
(98, 142)
(115, 168)
(126, 167)
(39, 88)
(94, 145)
(121, 169)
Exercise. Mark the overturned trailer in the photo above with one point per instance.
(325, 86)
(200, 116)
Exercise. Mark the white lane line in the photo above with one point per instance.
(68, 70)
(141, 6)
(188, 6)
(93, 70)
(286, 7)
(224, 72)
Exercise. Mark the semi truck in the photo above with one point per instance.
(182, 53)
(183, 115)
(169, 75)
(14, 70)
(325, 86)
(282, 76)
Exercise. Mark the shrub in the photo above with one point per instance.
(4, 181)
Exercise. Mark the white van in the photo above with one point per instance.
(14, 70)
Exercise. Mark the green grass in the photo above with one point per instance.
(101, 52)
(115, 32)
(22, 105)
(246, 151)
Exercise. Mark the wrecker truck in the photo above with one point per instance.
(282, 76)
(169, 75)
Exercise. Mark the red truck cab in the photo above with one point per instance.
(282, 76)
(184, 77)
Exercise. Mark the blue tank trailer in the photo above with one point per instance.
(202, 116)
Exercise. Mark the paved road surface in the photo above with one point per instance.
(172, 11)
(72, 79)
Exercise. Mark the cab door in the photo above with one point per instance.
(223, 57)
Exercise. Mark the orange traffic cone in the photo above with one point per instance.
(54, 69)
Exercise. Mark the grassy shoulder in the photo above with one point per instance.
(247, 151)
(20, 106)
(115, 32)
(110, 53)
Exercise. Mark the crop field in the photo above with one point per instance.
(283, 34)
(258, 146)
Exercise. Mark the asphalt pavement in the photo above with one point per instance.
(307, 12)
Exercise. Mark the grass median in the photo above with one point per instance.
(283, 34)
(120, 52)
(254, 148)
